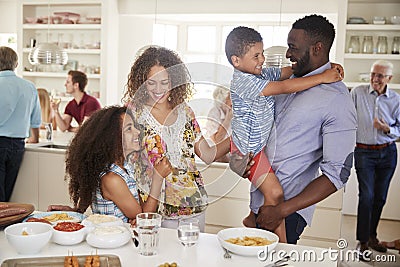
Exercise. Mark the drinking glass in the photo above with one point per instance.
(147, 227)
(396, 45)
(368, 46)
(354, 45)
(382, 45)
(188, 231)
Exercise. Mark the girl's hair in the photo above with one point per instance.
(181, 86)
(44, 100)
(95, 147)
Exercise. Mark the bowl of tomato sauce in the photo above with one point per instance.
(68, 233)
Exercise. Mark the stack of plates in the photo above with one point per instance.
(275, 56)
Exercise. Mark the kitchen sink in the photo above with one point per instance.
(55, 146)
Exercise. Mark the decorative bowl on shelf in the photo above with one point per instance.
(395, 19)
(363, 77)
(379, 20)
(356, 20)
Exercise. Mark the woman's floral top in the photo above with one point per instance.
(183, 192)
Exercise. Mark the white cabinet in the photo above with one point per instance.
(40, 180)
(356, 63)
(87, 42)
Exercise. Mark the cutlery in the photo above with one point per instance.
(227, 255)
(279, 263)
(135, 238)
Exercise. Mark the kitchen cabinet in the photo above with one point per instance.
(40, 180)
(88, 41)
(356, 63)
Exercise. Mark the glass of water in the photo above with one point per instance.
(188, 231)
(147, 227)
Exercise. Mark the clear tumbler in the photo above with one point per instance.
(382, 45)
(367, 46)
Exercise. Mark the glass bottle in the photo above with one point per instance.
(382, 45)
(396, 45)
(354, 45)
(367, 46)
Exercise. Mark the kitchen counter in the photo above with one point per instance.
(60, 140)
(207, 252)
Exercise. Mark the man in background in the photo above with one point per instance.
(19, 111)
(378, 114)
(79, 108)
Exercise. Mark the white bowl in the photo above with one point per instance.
(96, 220)
(38, 236)
(395, 19)
(69, 238)
(364, 77)
(254, 251)
(109, 236)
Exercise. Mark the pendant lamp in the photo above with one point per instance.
(275, 56)
(48, 53)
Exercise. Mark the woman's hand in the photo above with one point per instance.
(162, 166)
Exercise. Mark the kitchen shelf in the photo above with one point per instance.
(55, 74)
(373, 27)
(74, 51)
(372, 56)
(61, 26)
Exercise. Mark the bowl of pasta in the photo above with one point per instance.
(247, 241)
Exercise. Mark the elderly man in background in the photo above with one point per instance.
(19, 111)
(79, 108)
(378, 113)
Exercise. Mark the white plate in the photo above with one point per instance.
(250, 232)
(75, 216)
(108, 236)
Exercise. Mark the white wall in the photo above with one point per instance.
(8, 22)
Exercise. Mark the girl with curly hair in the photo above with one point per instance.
(159, 86)
(102, 162)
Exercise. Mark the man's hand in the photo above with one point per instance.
(380, 124)
(269, 217)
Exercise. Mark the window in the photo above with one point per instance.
(8, 39)
(166, 35)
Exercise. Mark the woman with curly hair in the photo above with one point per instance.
(102, 162)
(159, 86)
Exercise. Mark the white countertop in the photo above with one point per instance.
(59, 138)
(207, 252)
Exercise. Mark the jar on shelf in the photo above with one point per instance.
(354, 44)
(382, 45)
(396, 45)
(367, 46)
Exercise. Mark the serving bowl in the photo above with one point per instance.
(28, 237)
(109, 236)
(243, 232)
(364, 77)
(68, 237)
(96, 220)
(395, 19)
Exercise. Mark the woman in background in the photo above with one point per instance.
(218, 125)
(102, 162)
(48, 115)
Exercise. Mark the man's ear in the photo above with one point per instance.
(317, 48)
(235, 60)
